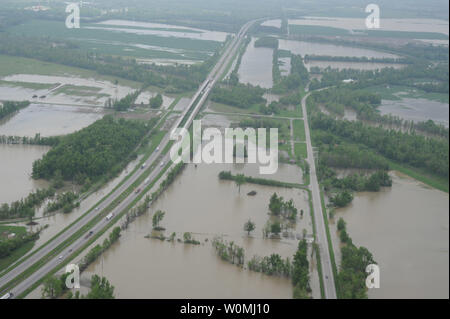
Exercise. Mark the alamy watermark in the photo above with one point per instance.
(236, 146)
(73, 19)
(373, 19)
(373, 279)
(73, 279)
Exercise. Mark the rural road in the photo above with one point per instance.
(321, 240)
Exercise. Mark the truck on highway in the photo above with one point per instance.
(9, 295)
(109, 216)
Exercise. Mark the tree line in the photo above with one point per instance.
(417, 151)
(9, 107)
(93, 151)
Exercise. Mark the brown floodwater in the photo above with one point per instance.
(200, 203)
(49, 120)
(406, 229)
(311, 48)
(417, 110)
(15, 171)
(256, 66)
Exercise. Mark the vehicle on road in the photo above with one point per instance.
(137, 191)
(143, 166)
(60, 258)
(109, 216)
(147, 180)
(88, 234)
(162, 164)
(157, 148)
(9, 295)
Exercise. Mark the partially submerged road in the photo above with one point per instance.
(321, 238)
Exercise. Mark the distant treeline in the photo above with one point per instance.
(417, 151)
(438, 74)
(36, 140)
(9, 107)
(267, 42)
(363, 59)
(365, 104)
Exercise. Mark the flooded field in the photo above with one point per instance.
(15, 170)
(407, 25)
(416, 110)
(303, 47)
(406, 229)
(207, 207)
(352, 65)
(65, 89)
(256, 66)
(164, 30)
(49, 120)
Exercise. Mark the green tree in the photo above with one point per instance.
(239, 180)
(100, 288)
(52, 288)
(249, 226)
(156, 101)
(157, 218)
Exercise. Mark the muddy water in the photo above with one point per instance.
(103, 89)
(49, 120)
(303, 47)
(205, 206)
(15, 169)
(256, 66)
(352, 65)
(408, 25)
(145, 28)
(416, 110)
(406, 229)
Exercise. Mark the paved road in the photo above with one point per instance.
(203, 91)
(327, 270)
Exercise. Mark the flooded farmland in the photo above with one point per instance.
(406, 230)
(256, 66)
(407, 25)
(163, 30)
(66, 89)
(416, 110)
(49, 120)
(312, 48)
(207, 207)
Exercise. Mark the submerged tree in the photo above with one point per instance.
(249, 226)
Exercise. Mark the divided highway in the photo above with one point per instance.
(202, 93)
